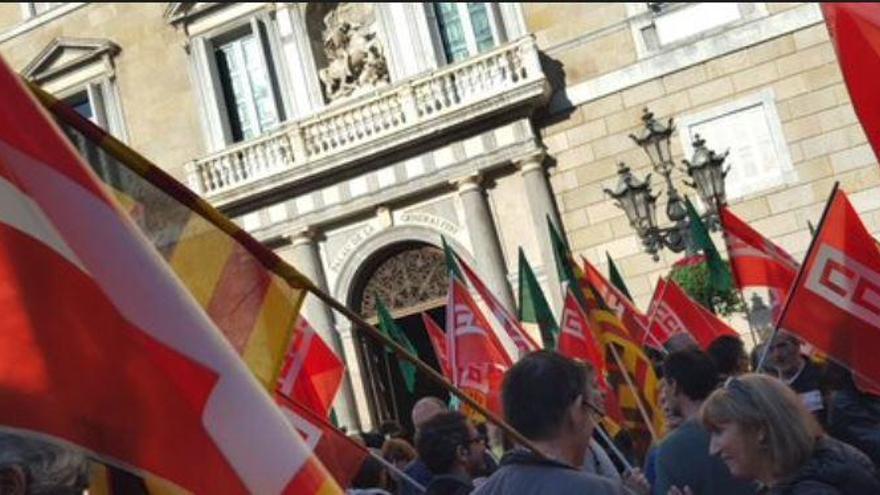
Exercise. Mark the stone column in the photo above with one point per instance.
(540, 201)
(307, 259)
(484, 237)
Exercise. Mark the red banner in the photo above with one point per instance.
(438, 341)
(755, 261)
(311, 373)
(634, 320)
(674, 312)
(835, 304)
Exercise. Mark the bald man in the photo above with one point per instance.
(423, 411)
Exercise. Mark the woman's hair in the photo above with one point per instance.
(396, 449)
(763, 404)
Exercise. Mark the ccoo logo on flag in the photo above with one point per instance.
(846, 283)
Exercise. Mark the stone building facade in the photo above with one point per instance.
(350, 137)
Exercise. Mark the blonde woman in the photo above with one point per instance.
(762, 431)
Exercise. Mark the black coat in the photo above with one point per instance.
(835, 468)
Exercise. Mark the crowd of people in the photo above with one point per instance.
(800, 426)
(780, 423)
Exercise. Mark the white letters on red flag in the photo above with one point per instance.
(476, 358)
(311, 373)
(755, 261)
(835, 304)
(521, 339)
(633, 319)
(674, 312)
(103, 348)
(438, 341)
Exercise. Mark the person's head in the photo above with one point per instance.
(425, 409)
(729, 355)
(371, 475)
(449, 443)
(785, 352)
(759, 427)
(398, 452)
(29, 465)
(547, 397)
(391, 429)
(680, 342)
(689, 376)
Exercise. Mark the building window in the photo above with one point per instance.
(249, 86)
(662, 25)
(81, 72)
(238, 77)
(33, 9)
(751, 130)
(466, 29)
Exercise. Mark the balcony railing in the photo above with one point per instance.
(403, 112)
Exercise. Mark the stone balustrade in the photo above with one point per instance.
(393, 116)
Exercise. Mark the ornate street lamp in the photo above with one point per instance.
(634, 197)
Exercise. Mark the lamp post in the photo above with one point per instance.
(635, 197)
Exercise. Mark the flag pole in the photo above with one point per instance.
(800, 275)
(634, 389)
(617, 453)
(362, 324)
(752, 331)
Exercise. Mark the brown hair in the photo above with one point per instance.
(396, 449)
(763, 404)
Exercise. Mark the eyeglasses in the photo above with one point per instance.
(592, 407)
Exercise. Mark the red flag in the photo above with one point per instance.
(634, 320)
(835, 301)
(476, 358)
(855, 31)
(756, 262)
(438, 341)
(312, 373)
(576, 340)
(674, 312)
(102, 348)
(521, 339)
(341, 455)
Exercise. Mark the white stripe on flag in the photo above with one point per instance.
(247, 427)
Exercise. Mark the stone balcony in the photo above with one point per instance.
(507, 79)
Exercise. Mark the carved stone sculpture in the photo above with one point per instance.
(355, 59)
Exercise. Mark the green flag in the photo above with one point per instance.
(720, 278)
(451, 264)
(565, 268)
(533, 308)
(389, 328)
(616, 278)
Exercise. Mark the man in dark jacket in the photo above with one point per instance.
(683, 458)
(454, 452)
(422, 412)
(547, 398)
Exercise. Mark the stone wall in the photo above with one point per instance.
(822, 134)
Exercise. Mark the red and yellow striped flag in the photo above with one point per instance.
(251, 295)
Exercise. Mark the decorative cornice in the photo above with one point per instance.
(92, 50)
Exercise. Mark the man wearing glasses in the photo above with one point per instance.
(453, 450)
(548, 398)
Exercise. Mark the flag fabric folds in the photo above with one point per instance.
(125, 349)
(250, 294)
(438, 342)
(312, 373)
(576, 340)
(534, 311)
(855, 33)
(674, 312)
(835, 302)
(616, 278)
(618, 301)
(719, 275)
(389, 328)
(630, 372)
(342, 456)
(754, 259)
(521, 339)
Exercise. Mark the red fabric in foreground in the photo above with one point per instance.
(855, 32)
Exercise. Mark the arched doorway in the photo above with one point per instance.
(410, 278)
